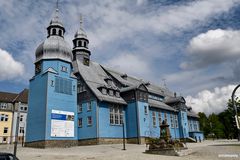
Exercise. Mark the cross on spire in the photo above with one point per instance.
(81, 21)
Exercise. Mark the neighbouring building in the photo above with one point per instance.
(75, 101)
(8, 115)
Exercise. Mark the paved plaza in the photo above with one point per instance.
(218, 149)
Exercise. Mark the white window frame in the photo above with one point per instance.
(172, 120)
(89, 106)
(89, 120)
(80, 108)
(176, 121)
(165, 117)
(80, 122)
(160, 118)
(154, 118)
(115, 115)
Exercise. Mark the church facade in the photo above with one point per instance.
(75, 101)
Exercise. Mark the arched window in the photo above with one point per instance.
(85, 44)
(60, 32)
(54, 31)
(79, 44)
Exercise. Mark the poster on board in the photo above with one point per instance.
(62, 124)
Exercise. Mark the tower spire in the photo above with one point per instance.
(57, 5)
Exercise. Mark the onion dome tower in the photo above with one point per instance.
(80, 45)
(52, 101)
(54, 47)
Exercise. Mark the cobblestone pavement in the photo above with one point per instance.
(207, 150)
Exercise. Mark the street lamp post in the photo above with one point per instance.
(16, 132)
(235, 108)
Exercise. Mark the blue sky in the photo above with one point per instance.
(192, 44)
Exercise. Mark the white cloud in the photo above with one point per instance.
(115, 22)
(213, 47)
(10, 69)
(211, 101)
(129, 63)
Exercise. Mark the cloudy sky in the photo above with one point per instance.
(193, 44)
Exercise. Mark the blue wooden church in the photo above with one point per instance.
(75, 101)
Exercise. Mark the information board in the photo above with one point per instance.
(62, 124)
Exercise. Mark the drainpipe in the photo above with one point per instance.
(137, 116)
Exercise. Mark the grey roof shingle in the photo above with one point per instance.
(161, 105)
(133, 81)
(94, 77)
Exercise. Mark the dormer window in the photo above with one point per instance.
(108, 81)
(117, 94)
(104, 91)
(86, 61)
(110, 92)
(64, 69)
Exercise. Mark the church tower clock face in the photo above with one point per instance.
(37, 68)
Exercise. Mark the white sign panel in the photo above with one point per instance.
(62, 124)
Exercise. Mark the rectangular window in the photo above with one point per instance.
(5, 130)
(176, 121)
(110, 92)
(154, 118)
(64, 69)
(6, 118)
(2, 117)
(25, 108)
(52, 83)
(160, 118)
(172, 120)
(89, 106)
(89, 120)
(145, 110)
(116, 115)
(80, 108)
(80, 122)
(21, 130)
(165, 117)
(21, 118)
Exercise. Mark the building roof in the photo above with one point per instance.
(7, 97)
(130, 81)
(94, 76)
(170, 100)
(161, 105)
(22, 96)
(192, 114)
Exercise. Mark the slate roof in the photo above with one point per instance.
(161, 105)
(170, 100)
(133, 81)
(22, 96)
(192, 114)
(7, 97)
(14, 97)
(94, 76)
